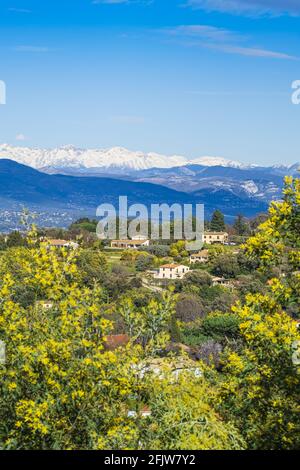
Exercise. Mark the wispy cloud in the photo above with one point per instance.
(248, 7)
(25, 48)
(19, 10)
(224, 40)
(199, 31)
(251, 51)
(21, 137)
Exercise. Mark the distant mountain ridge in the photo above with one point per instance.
(71, 160)
(89, 161)
(21, 185)
(255, 183)
(218, 183)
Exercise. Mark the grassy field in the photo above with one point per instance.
(113, 256)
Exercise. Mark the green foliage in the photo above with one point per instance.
(193, 336)
(221, 326)
(118, 280)
(15, 239)
(148, 325)
(217, 223)
(240, 225)
(93, 266)
(161, 251)
(178, 249)
(144, 262)
(226, 265)
(85, 224)
(189, 308)
(261, 387)
(183, 418)
(197, 278)
(250, 284)
(277, 246)
(62, 388)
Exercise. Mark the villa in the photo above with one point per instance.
(129, 244)
(215, 237)
(201, 257)
(171, 271)
(63, 244)
(221, 281)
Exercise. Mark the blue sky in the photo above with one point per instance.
(190, 77)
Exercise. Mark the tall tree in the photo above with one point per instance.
(240, 225)
(217, 222)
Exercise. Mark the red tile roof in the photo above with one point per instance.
(116, 341)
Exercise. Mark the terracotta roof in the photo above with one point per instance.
(170, 266)
(116, 341)
(130, 242)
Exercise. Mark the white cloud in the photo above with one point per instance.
(251, 51)
(200, 31)
(211, 37)
(248, 7)
(21, 137)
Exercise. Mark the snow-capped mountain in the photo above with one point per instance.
(211, 174)
(218, 161)
(69, 159)
(88, 160)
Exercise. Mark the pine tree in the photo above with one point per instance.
(217, 222)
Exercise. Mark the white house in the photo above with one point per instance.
(63, 244)
(129, 244)
(215, 237)
(171, 271)
(221, 281)
(200, 257)
(165, 368)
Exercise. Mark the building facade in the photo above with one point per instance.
(63, 244)
(215, 237)
(171, 271)
(129, 244)
(201, 257)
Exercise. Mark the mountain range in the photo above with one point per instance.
(78, 180)
(21, 185)
(116, 160)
